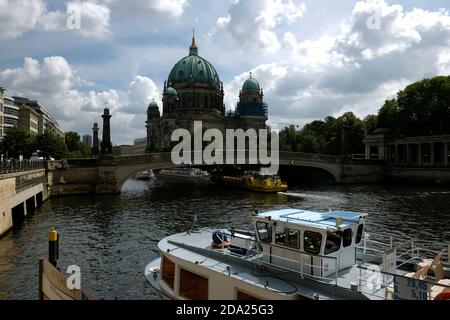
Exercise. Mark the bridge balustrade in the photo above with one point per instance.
(14, 166)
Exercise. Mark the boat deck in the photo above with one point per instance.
(196, 248)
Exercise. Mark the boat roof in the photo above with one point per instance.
(321, 220)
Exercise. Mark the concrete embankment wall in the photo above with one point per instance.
(83, 180)
(437, 176)
(362, 173)
(20, 194)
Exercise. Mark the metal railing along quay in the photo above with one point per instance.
(14, 166)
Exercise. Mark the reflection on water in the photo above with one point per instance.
(113, 237)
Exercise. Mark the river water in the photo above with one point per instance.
(112, 237)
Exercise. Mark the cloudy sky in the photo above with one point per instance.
(312, 57)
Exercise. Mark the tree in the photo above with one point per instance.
(370, 123)
(76, 149)
(388, 115)
(289, 138)
(422, 108)
(18, 141)
(51, 145)
(325, 136)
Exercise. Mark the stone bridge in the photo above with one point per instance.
(23, 188)
(108, 175)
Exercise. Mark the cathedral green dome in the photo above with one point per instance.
(153, 104)
(251, 84)
(194, 68)
(170, 92)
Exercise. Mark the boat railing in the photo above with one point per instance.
(380, 284)
(411, 255)
(298, 265)
(374, 246)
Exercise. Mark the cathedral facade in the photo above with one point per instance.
(194, 92)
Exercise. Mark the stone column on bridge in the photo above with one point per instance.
(95, 151)
(446, 153)
(432, 155)
(106, 141)
(397, 160)
(419, 154)
(368, 157)
(408, 155)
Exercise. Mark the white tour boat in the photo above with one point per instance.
(145, 175)
(186, 173)
(296, 254)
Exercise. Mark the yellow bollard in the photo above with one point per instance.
(53, 246)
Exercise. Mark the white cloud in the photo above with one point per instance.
(355, 70)
(251, 23)
(19, 16)
(84, 17)
(173, 8)
(96, 102)
(55, 83)
(141, 91)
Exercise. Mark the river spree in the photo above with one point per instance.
(112, 238)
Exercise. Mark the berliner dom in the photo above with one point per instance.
(194, 92)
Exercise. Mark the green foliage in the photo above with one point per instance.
(422, 108)
(388, 115)
(75, 148)
(18, 141)
(370, 123)
(325, 136)
(51, 145)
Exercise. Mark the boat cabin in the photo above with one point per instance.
(313, 243)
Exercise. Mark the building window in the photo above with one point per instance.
(193, 286)
(333, 242)
(312, 242)
(168, 272)
(280, 236)
(293, 238)
(347, 238)
(245, 296)
(359, 234)
(264, 233)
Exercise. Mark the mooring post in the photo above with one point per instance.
(53, 246)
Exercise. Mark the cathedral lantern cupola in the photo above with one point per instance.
(193, 50)
(170, 101)
(153, 110)
(251, 100)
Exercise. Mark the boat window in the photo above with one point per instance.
(347, 238)
(264, 233)
(359, 234)
(280, 236)
(293, 238)
(333, 242)
(312, 242)
(193, 286)
(245, 296)
(168, 272)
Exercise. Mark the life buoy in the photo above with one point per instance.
(222, 245)
(443, 296)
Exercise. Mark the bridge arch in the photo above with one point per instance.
(310, 173)
(125, 173)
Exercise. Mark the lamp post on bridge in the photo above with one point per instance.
(106, 141)
(95, 151)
